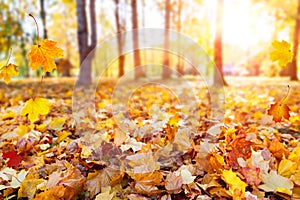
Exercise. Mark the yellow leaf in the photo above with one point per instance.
(57, 123)
(7, 71)
(287, 168)
(8, 115)
(43, 54)
(236, 185)
(281, 53)
(34, 107)
(62, 135)
(41, 127)
(23, 129)
(29, 187)
(104, 196)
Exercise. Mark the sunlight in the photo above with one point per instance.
(243, 26)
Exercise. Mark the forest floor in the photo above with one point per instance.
(150, 142)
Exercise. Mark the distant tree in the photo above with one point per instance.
(218, 57)
(85, 49)
(136, 54)
(178, 28)
(119, 28)
(166, 72)
(293, 65)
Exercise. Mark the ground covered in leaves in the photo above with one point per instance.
(161, 146)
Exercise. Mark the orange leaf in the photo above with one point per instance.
(7, 71)
(43, 54)
(279, 111)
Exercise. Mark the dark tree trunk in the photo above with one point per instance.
(218, 57)
(43, 16)
(45, 34)
(136, 54)
(120, 39)
(86, 53)
(293, 65)
(166, 70)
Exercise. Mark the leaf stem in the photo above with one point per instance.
(286, 96)
(37, 29)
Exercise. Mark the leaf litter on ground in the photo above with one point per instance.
(170, 151)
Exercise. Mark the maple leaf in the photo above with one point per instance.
(279, 111)
(44, 54)
(35, 106)
(14, 158)
(281, 53)
(274, 182)
(7, 71)
(236, 185)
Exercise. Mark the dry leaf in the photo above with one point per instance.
(236, 185)
(279, 111)
(44, 54)
(274, 182)
(281, 53)
(8, 71)
(34, 107)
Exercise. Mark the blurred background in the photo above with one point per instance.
(240, 31)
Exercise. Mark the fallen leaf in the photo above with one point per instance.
(279, 111)
(186, 175)
(18, 178)
(44, 54)
(281, 52)
(62, 135)
(55, 193)
(274, 182)
(14, 158)
(252, 175)
(173, 183)
(34, 107)
(29, 187)
(104, 196)
(287, 168)
(236, 185)
(57, 123)
(7, 71)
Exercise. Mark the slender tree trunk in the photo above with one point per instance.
(166, 71)
(120, 39)
(43, 16)
(218, 57)
(293, 66)
(136, 54)
(85, 50)
(45, 34)
(179, 60)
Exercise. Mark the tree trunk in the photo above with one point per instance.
(45, 35)
(293, 66)
(218, 57)
(136, 54)
(179, 60)
(43, 16)
(86, 53)
(166, 70)
(120, 39)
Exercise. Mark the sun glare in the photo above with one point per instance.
(245, 25)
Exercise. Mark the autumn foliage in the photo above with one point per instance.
(179, 153)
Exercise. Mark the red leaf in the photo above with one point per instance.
(14, 158)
